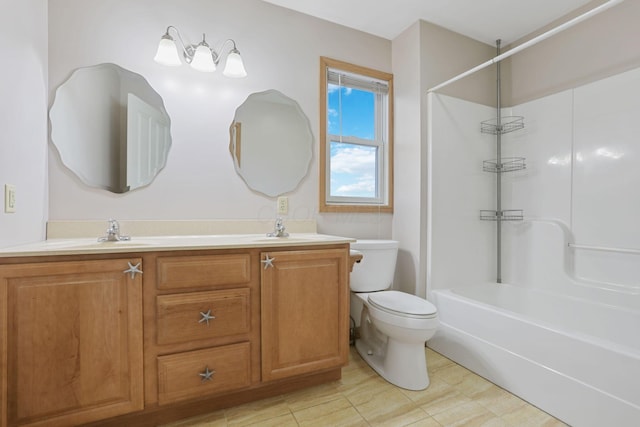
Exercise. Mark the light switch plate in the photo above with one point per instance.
(9, 198)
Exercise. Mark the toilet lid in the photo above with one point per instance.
(396, 302)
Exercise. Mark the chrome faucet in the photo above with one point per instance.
(113, 233)
(278, 230)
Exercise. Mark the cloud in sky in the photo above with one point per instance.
(353, 170)
(345, 90)
(366, 186)
(352, 159)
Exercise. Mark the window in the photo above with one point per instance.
(356, 138)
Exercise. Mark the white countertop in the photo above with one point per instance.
(81, 246)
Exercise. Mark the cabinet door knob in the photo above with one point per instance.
(206, 375)
(133, 269)
(267, 261)
(206, 317)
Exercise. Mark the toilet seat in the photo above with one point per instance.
(402, 304)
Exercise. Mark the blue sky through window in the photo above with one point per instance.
(352, 166)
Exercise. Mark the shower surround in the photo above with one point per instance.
(562, 331)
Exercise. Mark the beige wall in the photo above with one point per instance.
(445, 54)
(408, 154)
(281, 49)
(423, 56)
(602, 46)
(23, 118)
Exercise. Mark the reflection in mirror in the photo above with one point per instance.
(110, 128)
(271, 143)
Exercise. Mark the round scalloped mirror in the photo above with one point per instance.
(110, 128)
(271, 143)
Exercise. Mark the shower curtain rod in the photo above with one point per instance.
(531, 42)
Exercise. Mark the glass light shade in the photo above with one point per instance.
(167, 53)
(203, 59)
(234, 66)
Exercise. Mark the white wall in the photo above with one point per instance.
(534, 251)
(462, 249)
(582, 153)
(606, 177)
(579, 186)
(281, 50)
(23, 123)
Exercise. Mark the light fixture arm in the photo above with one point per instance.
(183, 45)
(233, 49)
(189, 50)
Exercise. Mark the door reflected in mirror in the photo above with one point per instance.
(110, 128)
(271, 143)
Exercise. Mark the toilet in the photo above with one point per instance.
(394, 326)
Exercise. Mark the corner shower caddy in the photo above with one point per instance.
(498, 127)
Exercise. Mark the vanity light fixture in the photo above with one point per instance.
(201, 57)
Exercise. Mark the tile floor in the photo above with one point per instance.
(456, 397)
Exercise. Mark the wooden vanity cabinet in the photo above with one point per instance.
(85, 342)
(305, 311)
(72, 339)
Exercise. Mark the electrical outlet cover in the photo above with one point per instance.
(283, 205)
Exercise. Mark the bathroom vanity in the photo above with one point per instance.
(161, 328)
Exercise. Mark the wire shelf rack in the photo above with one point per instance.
(504, 215)
(508, 164)
(507, 124)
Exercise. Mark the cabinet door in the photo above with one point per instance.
(74, 340)
(305, 312)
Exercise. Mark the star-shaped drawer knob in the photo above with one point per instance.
(206, 316)
(206, 375)
(133, 269)
(267, 261)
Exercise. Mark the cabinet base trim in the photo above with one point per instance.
(162, 415)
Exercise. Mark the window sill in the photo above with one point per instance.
(356, 208)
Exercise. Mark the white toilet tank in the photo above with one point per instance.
(375, 271)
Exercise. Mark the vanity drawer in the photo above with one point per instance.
(203, 271)
(188, 375)
(202, 315)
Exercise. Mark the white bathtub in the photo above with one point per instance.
(575, 359)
